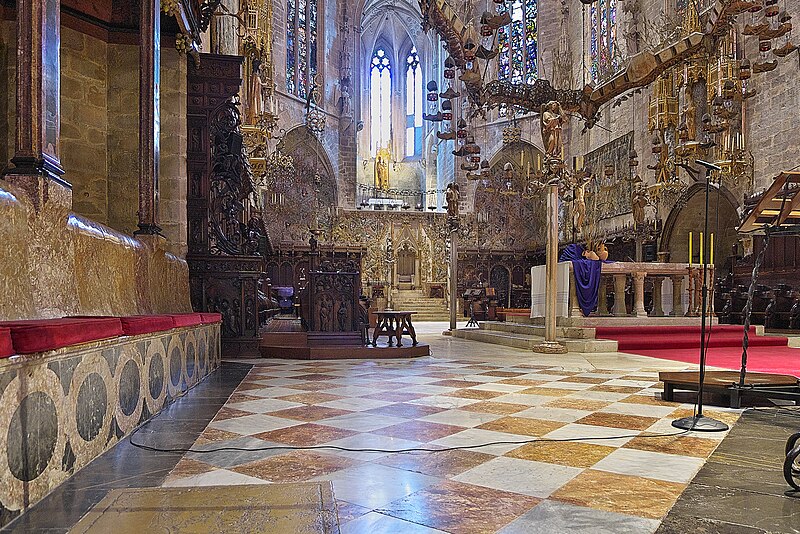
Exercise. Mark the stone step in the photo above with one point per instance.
(536, 330)
(523, 341)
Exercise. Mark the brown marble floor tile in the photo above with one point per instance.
(556, 372)
(314, 386)
(395, 396)
(440, 464)
(241, 397)
(474, 394)
(681, 445)
(578, 404)
(457, 507)
(622, 494)
(522, 425)
(408, 411)
(454, 383)
(507, 374)
(229, 413)
(573, 454)
(444, 375)
(187, 467)
(309, 413)
(497, 408)
(211, 435)
(522, 382)
(314, 377)
(584, 380)
(615, 389)
(295, 466)
(311, 398)
(549, 392)
(650, 400)
(348, 511)
(726, 417)
(422, 431)
(306, 434)
(640, 377)
(384, 385)
(618, 420)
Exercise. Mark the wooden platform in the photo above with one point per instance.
(332, 346)
(726, 383)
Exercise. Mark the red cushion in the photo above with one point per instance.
(6, 348)
(49, 334)
(146, 324)
(187, 319)
(209, 318)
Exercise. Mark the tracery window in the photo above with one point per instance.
(380, 72)
(603, 42)
(518, 50)
(413, 104)
(301, 46)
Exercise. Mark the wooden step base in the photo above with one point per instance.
(763, 385)
(332, 346)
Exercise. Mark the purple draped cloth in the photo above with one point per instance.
(587, 277)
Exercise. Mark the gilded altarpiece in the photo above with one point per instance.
(610, 192)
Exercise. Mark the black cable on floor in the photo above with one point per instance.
(390, 451)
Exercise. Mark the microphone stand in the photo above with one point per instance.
(699, 421)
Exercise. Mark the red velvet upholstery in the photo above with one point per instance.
(209, 318)
(146, 324)
(187, 319)
(6, 348)
(41, 335)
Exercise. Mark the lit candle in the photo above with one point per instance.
(712, 248)
(701, 248)
(690, 249)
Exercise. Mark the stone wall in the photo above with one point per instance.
(123, 137)
(80, 401)
(172, 174)
(84, 121)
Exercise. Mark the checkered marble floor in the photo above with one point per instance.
(620, 480)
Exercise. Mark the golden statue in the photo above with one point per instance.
(382, 159)
(552, 118)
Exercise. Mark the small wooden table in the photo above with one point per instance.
(394, 324)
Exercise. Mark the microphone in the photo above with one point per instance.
(707, 165)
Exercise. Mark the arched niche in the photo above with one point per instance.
(293, 200)
(688, 215)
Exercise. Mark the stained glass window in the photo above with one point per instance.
(413, 104)
(301, 45)
(517, 46)
(602, 44)
(380, 74)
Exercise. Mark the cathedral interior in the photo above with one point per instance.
(400, 266)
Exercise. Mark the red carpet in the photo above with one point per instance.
(682, 343)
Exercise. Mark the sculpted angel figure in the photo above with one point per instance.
(552, 122)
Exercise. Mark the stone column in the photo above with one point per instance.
(37, 164)
(677, 294)
(638, 294)
(602, 302)
(149, 119)
(574, 308)
(619, 295)
(658, 310)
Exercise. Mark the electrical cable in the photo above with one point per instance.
(390, 451)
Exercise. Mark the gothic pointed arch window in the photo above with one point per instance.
(380, 75)
(517, 42)
(413, 104)
(603, 54)
(301, 46)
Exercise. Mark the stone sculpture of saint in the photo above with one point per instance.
(638, 202)
(552, 122)
(452, 196)
(255, 98)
